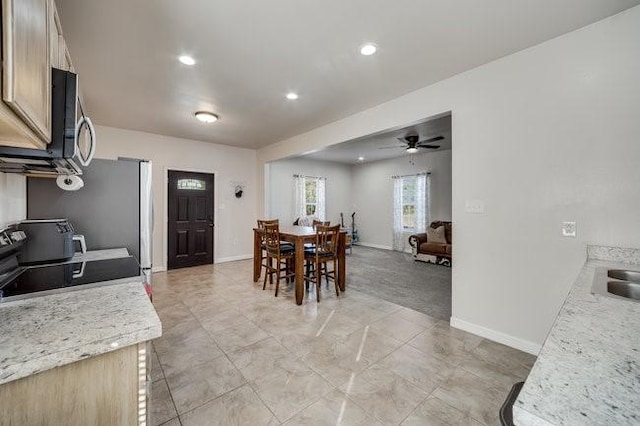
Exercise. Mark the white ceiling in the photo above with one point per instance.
(369, 146)
(251, 53)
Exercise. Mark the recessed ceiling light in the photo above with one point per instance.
(206, 117)
(412, 150)
(187, 60)
(368, 49)
(292, 96)
(360, 158)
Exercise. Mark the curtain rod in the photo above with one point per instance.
(313, 177)
(412, 174)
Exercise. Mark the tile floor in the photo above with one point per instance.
(232, 354)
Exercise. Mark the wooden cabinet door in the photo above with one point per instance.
(26, 62)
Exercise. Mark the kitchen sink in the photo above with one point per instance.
(624, 289)
(623, 275)
(625, 283)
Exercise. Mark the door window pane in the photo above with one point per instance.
(193, 184)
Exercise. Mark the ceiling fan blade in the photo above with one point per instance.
(434, 139)
(429, 146)
(392, 147)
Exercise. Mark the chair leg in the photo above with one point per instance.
(266, 273)
(335, 281)
(318, 281)
(278, 267)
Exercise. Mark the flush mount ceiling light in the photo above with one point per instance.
(292, 96)
(206, 117)
(412, 150)
(368, 49)
(187, 60)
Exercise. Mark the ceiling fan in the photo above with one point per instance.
(412, 143)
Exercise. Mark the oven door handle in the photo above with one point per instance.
(79, 273)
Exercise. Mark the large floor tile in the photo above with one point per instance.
(472, 395)
(426, 372)
(397, 327)
(445, 341)
(435, 412)
(263, 358)
(240, 407)
(288, 392)
(333, 409)
(197, 385)
(384, 395)
(162, 408)
(195, 348)
(238, 336)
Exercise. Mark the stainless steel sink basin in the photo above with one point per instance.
(625, 284)
(624, 289)
(624, 275)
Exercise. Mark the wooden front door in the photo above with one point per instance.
(190, 219)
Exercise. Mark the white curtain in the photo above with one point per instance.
(423, 183)
(298, 197)
(422, 211)
(398, 231)
(321, 207)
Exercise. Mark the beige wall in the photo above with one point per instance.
(549, 134)
(234, 217)
(13, 198)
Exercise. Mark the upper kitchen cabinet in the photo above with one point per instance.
(32, 43)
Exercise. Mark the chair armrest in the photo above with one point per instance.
(416, 239)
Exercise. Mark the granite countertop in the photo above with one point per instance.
(41, 333)
(588, 371)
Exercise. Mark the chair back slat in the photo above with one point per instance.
(315, 223)
(327, 240)
(272, 238)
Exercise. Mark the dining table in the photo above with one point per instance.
(299, 236)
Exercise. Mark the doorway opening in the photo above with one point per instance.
(190, 216)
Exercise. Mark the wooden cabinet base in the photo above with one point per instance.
(108, 389)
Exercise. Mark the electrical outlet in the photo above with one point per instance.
(569, 229)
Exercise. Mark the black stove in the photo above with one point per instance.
(48, 279)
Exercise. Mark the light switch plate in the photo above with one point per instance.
(569, 229)
(474, 206)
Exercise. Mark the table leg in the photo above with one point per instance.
(342, 262)
(299, 271)
(257, 255)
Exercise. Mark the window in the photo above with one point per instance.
(409, 202)
(410, 207)
(310, 196)
(197, 184)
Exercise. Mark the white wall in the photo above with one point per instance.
(13, 198)
(280, 193)
(234, 218)
(542, 136)
(372, 189)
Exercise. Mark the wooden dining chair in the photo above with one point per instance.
(324, 251)
(280, 257)
(263, 246)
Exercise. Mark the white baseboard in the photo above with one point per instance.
(159, 268)
(378, 246)
(234, 258)
(496, 336)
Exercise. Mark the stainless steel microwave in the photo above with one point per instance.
(62, 155)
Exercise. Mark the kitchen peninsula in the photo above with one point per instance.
(83, 355)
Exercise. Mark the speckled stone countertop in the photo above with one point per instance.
(45, 332)
(588, 372)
